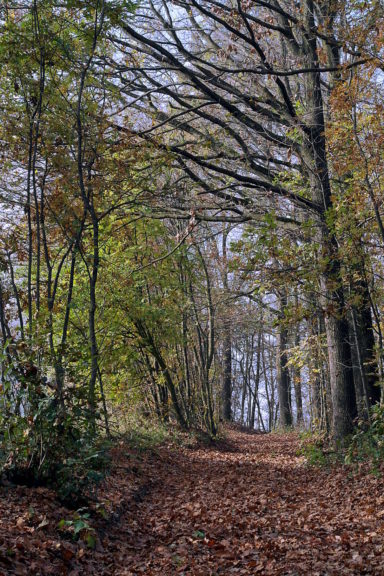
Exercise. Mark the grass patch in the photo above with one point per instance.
(144, 435)
(147, 436)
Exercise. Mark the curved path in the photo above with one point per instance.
(253, 507)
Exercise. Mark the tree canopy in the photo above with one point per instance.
(192, 224)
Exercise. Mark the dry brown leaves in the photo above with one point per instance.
(251, 507)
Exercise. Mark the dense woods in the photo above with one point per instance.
(191, 226)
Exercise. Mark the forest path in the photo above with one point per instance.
(252, 507)
(247, 506)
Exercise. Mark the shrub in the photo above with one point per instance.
(312, 448)
(367, 444)
(49, 442)
(314, 455)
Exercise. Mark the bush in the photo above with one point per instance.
(76, 478)
(367, 444)
(314, 455)
(312, 448)
(49, 442)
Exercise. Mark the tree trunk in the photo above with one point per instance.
(227, 341)
(283, 379)
(367, 343)
(333, 301)
(296, 376)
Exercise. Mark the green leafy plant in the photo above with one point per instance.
(80, 527)
(314, 455)
(199, 534)
(47, 441)
(79, 475)
(313, 449)
(367, 444)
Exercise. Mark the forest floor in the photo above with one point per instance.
(249, 505)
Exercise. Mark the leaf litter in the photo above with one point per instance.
(248, 506)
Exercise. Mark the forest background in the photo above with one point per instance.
(192, 226)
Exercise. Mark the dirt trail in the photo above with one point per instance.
(253, 508)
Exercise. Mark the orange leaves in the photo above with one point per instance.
(249, 506)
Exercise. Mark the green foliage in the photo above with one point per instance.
(312, 448)
(146, 434)
(314, 455)
(80, 527)
(78, 476)
(367, 444)
(148, 437)
(47, 440)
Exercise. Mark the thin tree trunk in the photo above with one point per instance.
(227, 342)
(282, 372)
(296, 377)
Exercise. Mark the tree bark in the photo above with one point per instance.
(296, 376)
(333, 301)
(282, 372)
(227, 343)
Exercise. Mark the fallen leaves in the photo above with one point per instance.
(248, 507)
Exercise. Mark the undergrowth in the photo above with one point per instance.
(315, 448)
(147, 436)
(143, 434)
(367, 443)
(364, 447)
(50, 443)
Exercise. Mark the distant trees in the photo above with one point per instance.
(192, 213)
(251, 85)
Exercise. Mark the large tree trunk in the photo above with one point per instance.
(358, 371)
(344, 409)
(333, 301)
(296, 376)
(316, 369)
(296, 373)
(366, 339)
(255, 401)
(341, 377)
